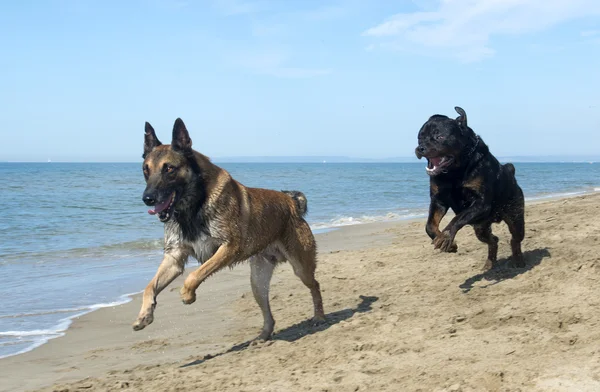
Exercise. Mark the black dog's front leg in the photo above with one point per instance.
(437, 211)
(445, 240)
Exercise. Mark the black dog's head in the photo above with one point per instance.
(445, 142)
(170, 171)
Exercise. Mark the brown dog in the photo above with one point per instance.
(220, 222)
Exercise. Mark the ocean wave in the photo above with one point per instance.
(350, 220)
(123, 249)
(561, 194)
(41, 336)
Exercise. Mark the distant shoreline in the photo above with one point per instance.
(336, 160)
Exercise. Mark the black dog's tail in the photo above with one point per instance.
(510, 168)
(300, 200)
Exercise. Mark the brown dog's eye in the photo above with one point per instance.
(145, 170)
(168, 168)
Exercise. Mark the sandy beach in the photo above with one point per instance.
(401, 317)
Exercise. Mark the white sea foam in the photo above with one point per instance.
(37, 337)
(350, 220)
(559, 195)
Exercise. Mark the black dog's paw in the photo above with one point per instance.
(445, 243)
(519, 262)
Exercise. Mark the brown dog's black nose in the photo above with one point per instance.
(149, 199)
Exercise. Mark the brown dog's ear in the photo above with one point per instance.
(462, 119)
(150, 140)
(181, 138)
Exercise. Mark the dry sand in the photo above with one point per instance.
(402, 317)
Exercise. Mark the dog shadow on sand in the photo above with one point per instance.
(504, 270)
(300, 330)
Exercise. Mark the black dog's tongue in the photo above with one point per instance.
(435, 161)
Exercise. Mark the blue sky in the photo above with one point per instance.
(78, 79)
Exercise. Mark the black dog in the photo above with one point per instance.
(466, 177)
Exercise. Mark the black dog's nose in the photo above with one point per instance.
(421, 149)
(150, 200)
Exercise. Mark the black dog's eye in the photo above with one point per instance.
(168, 168)
(439, 137)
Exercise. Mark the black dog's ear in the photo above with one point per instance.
(181, 138)
(150, 140)
(462, 119)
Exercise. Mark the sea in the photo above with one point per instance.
(76, 237)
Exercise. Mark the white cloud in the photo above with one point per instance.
(463, 28)
(590, 33)
(276, 63)
(236, 7)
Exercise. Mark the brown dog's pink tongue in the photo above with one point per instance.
(160, 207)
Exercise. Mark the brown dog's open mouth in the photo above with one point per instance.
(438, 165)
(164, 209)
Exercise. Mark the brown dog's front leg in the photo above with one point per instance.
(170, 268)
(223, 257)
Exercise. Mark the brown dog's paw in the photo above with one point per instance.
(143, 321)
(187, 296)
(445, 243)
(262, 338)
(317, 321)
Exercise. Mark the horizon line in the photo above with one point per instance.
(346, 159)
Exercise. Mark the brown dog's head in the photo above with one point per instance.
(446, 143)
(169, 170)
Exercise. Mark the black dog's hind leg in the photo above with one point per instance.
(516, 225)
(484, 234)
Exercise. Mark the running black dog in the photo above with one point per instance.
(466, 177)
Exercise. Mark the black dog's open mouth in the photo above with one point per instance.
(438, 165)
(164, 209)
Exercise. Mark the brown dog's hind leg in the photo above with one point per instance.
(516, 226)
(484, 234)
(302, 254)
(261, 271)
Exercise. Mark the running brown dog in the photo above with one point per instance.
(465, 176)
(220, 222)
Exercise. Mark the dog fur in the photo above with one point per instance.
(218, 221)
(466, 177)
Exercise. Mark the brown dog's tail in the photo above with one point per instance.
(300, 200)
(510, 168)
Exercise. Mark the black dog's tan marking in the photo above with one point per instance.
(467, 178)
(220, 222)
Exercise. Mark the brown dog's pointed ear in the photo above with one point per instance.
(462, 119)
(181, 138)
(150, 140)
